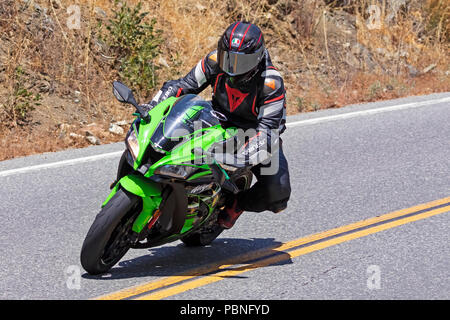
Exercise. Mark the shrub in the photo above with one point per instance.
(134, 44)
(20, 102)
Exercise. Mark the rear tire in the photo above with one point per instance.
(107, 240)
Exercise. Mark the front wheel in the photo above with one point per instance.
(107, 240)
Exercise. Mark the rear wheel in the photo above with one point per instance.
(208, 234)
(107, 240)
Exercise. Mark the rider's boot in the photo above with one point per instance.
(229, 215)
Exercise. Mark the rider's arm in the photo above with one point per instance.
(271, 120)
(194, 82)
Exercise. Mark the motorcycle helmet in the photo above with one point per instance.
(240, 50)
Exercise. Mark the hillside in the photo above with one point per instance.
(58, 58)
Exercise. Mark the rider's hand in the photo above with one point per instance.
(162, 95)
(148, 106)
(258, 149)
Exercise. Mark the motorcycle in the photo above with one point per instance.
(170, 185)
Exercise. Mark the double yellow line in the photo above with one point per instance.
(218, 271)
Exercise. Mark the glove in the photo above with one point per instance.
(255, 151)
(163, 94)
(147, 106)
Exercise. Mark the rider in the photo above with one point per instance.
(250, 92)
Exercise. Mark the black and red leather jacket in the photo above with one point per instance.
(259, 104)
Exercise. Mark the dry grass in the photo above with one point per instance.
(329, 53)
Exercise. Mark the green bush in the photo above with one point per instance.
(20, 102)
(134, 44)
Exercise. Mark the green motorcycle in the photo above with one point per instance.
(170, 183)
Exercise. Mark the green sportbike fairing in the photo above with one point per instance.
(170, 185)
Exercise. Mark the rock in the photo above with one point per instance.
(364, 56)
(200, 7)
(413, 72)
(56, 4)
(352, 61)
(43, 86)
(163, 62)
(38, 8)
(123, 122)
(93, 140)
(429, 68)
(26, 3)
(75, 135)
(76, 100)
(100, 12)
(115, 129)
(100, 45)
(63, 128)
(388, 88)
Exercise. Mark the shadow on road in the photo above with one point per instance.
(180, 259)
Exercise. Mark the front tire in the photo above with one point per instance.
(107, 241)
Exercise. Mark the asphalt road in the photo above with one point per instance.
(347, 165)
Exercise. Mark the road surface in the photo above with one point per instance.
(369, 218)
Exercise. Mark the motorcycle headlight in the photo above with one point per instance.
(133, 144)
(176, 171)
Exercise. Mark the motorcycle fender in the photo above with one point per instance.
(148, 190)
(140, 186)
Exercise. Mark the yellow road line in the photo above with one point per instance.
(136, 290)
(288, 255)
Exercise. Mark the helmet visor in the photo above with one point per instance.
(237, 63)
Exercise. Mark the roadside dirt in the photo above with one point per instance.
(55, 82)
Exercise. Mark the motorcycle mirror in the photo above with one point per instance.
(123, 93)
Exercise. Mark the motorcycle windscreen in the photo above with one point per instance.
(188, 114)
